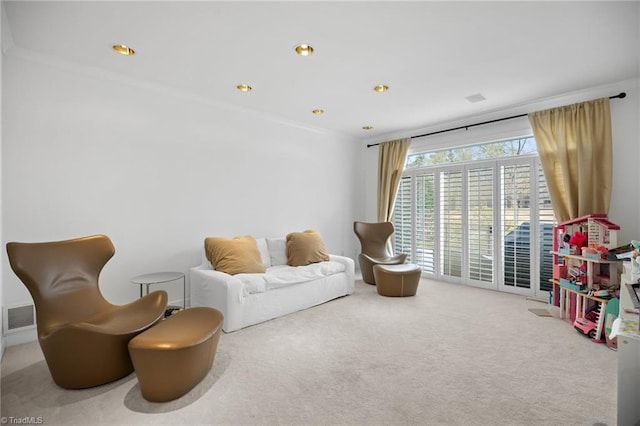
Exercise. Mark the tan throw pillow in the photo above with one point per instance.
(234, 256)
(305, 248)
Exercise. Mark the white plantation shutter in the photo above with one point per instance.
(516, 221)
(547, 221)
(402, 218)
(451, 211)
(426, 222)
(480, 224)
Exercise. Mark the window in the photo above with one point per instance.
(478, 215)
(500, 149)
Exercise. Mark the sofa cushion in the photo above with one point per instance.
(305, 248)
(284, 276)
(234, 256)
(277, 250)
(263, 248)
(252, 283)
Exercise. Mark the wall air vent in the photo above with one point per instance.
(18, 318)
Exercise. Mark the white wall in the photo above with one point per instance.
(2, 17)
(157, 173)
(625, 196)
(625, 119)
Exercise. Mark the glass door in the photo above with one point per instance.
(480, 226)
(518, 184)
(451, 229)
(426, 223)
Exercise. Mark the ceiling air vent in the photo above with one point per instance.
(475, 98)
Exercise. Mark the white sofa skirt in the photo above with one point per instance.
(225, 293)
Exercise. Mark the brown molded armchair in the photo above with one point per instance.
(373, 239)
(83, 337)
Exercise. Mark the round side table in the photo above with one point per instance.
(159, 278)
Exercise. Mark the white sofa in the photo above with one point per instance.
(247, 299)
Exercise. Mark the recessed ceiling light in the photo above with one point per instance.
(304, 49)
(318, 111)
(381, 88)
(367, 127)
(244, 87)
(123, 50)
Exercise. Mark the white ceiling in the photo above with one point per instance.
(431, 54)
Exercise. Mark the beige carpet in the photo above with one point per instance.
(451, 355)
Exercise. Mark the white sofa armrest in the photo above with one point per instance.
(349, 268)
(217, 290)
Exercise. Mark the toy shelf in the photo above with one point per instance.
(583, 269)
(572, 301)
(582, 279)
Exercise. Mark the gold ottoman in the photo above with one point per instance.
(397, 280)
(173, 356)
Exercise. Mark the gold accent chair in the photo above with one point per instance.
(374, 241)
(83, 337)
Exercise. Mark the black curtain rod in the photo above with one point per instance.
(618, 96)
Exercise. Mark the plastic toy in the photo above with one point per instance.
(586, 327)
(636, 255)
(578, 239)
(599, 293)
